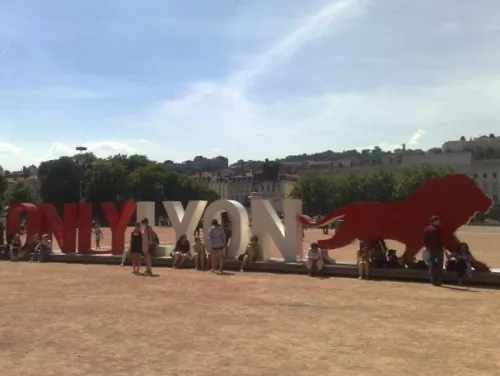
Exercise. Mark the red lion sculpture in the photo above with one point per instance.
(455, 198)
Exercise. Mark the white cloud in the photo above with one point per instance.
(100, 149)
(414, 142)
(227, 107)
(6, 148)
(143, 141)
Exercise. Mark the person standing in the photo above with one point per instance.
(2, 230)
(136, 248)
(98, 237)
(147, 239)
(433, 241)
(217, 244)
(228, 231)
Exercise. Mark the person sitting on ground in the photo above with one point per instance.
(379, 258)
(251, 254)
(463, 264)
(15, 247)
(198, 254)
(181, 251)
(314, 259)
(393, 260)
(363, 258)
(42, 249)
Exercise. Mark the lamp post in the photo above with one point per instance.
(81, 149)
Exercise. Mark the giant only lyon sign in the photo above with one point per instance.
(287, 234)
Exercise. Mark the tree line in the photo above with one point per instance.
(322, 192)
(115, 179)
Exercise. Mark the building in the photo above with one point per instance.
(240, 187)
(28, 175)
(483, 142)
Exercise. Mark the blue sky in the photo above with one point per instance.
(245, 79)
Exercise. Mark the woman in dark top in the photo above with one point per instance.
(181, 251)
(228, 232)
(463, 259)
(136, 247)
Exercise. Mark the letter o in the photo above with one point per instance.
(239, 224)
(14, 218)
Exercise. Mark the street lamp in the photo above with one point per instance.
(81, 149)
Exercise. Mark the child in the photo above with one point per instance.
(15, 247)
(314, 259)
(363, 261)
(43, 248)
(98, 237)
(199, 254)
(251, 253)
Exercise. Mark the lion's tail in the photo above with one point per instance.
(327, 220)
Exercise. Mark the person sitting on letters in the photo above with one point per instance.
(252, 252)
(181, 251)
(314, 259)
(42, 249)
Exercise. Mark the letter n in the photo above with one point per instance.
(64, 230)
(268, 226)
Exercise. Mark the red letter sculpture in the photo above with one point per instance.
(64, 231)
(118, 224)
(455, 198)
(84, 227)
(34, 218)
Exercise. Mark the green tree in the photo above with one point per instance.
(411, 178)
(131, 162)
(148, 183)
(323, 193)
(108, 182)
(318, 191)
(20, 192)
(60, 181)
(247, 202)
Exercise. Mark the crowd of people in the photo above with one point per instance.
(143, 242)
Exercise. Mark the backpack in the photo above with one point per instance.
(156, 240)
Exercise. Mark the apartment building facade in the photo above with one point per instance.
(240, 188)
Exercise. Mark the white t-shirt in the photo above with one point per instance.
(426, 256)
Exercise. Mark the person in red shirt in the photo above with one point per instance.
(433, 241)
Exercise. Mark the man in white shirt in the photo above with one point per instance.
(314, 259)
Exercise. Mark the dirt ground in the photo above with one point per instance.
(60, 319)
(482, 240)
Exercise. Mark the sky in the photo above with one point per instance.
(246, 79)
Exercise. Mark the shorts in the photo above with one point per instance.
(135, 250)
(216, 249)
